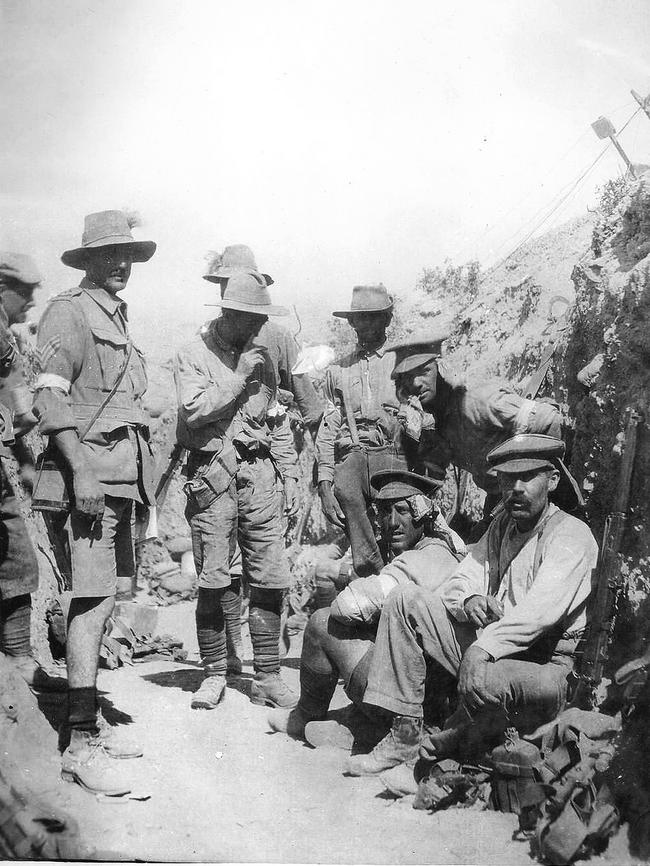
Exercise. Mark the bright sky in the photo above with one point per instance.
(345, 142)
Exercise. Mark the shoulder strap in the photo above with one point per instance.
(495, 538)
(554, 520)
(349, 413)
(110, 395)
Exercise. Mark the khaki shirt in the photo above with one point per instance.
(91, 325)
(533, 603)
(283, 351)
(360, 384)
(219, 409)
(474, 419)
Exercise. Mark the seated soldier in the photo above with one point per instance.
(504, 626)
(338, 641)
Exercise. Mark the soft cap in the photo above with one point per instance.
(525, 452)
(400, 484)
(19, 267)
(418, 349)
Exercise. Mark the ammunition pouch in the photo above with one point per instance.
(209, 476)
(53, 489)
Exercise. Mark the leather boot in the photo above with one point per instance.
(271, 689)
(86, 762)
(211, 691)
(290, 722)
(399, 746)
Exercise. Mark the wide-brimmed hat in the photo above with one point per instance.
(233, 260)
(400, 484)
(19, 267)
(418, 349)
(247, 292)
(367, 299)
(107, 228)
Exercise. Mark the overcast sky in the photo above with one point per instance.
(345, 142)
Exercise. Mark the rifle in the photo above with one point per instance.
(609, 581)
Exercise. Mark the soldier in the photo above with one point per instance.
(18, 566)
(241, 450)
(96, 375)
(458, 422)
(339, 641)
(282, 349)
(356, 436)
(504, 626)
(275, 338)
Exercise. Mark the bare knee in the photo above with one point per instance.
(96, 610)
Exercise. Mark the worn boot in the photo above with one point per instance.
(86, 762)
(348, 728)
(212, 690)
(400, 780)
(290, 722)
(399, 746)
(115, 743)
(271, 689)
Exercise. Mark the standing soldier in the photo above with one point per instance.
(18, 564)
(88, 400)
(282, 349)
(275, 338)
(241, 448)
(356, 435)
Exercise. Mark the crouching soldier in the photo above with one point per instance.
(18, 566)
(339, 640)
(460, 423)
(503, 628)
(240, 450)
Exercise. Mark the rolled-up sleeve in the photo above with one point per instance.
(202, 401)
(60, 344)
(469, 578)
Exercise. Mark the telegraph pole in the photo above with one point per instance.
(604, 128)
(644, 102)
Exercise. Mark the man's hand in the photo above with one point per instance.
(331, 508)
(481, 610)
(89, 498)
(291, 497)
(248, 360)
(472, 687)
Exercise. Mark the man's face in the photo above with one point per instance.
(526, 494)
(17, 300)
(421, 383)
(110, 267)
(370, 327)
(239, 327)
(398, 528)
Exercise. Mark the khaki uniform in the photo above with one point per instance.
(91, 324)
(356, 439)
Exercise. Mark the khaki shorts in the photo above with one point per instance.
(102, 551)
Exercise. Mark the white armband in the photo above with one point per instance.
(51, 380)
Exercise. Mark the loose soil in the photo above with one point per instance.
(224, 788)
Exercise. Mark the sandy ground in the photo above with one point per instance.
(223, 788)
